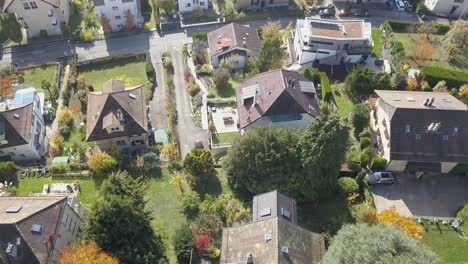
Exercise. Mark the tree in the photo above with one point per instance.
(105, 22)
(166, 5)
(11, 27)
(120, 156)
(456, 43)
(184, 244)
(221, 78)
(323, 148)
(406, 224)
(47, 86)
(271, 55)
(399, 80)
(65, 117)
(347, 186)
(56, 144)
(463, 213)
(463, 91)
(202, 243)
(423, 50)
(151, 159)
(359, 81)
(101, 162)
(5, 86)
(190, 203)
(122, 205)
(381, 80)
(413, 84)
(230, 62)
(258, 161)
(426, 28)
(8, 171)
(129, 20)
(199, 166)
(360, 117)
(86, 253)
(364, 244)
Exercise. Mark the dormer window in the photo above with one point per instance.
(408, 129)
(50, 13)
(265, 212)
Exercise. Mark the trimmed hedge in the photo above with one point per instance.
(402, 26)
(200, 36)
(327, 94)
(347, 186)
(378, 163)
(453, 78)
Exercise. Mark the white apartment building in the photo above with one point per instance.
(37, 15)
(22, 127)
(448, 8)
(116, 11)
(192, 5)
(330, 42)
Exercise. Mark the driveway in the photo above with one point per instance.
(431, 196)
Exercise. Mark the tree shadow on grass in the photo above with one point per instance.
(212, 187)
(227, 91)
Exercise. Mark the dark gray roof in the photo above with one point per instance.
(448, 144)
(278, 204)
(233, 36)
(98, 3)
(17, 125)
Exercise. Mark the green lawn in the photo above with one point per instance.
(34, 76)
(224, 138)
(229, 91)
(344, 104)
(165, 205)
(131, 69)
(87, 196)
(409, 41)
(446, 243)
(377, 37)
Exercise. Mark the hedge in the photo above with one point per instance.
(378, 163)
(200, 36)
(312, 74)
(454, 79)
(327, 94)
(402, 26)
(347, 186)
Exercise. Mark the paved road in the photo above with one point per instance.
(188, 132)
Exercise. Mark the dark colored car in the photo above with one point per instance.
(345, 12)
(359, 13)
(327, 13)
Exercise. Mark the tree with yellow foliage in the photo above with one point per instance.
(407, 224)
(65, 117)
(89, 253)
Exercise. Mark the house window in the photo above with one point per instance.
(202, 3)
(187, 5)
(118, 17)
(115, 8)
(26, 6)
(418, 137)
(459, 1)
(50, 13)
(65, 219)
(455, 131)
(321, 42)
(408, 129)
(33, 5)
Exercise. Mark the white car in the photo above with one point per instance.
(381, 177)
(400, 5)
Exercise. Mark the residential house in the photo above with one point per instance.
(448, 8)
(22, 127)
(38, 15)
(260, 4)
(233, 40)
(420, 131)
(117, 116)
(192, 5)
(333, 42)
(34, 229)
(116, 12)
(279, 98)
(273, 236)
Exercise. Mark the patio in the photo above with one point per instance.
(225, 118)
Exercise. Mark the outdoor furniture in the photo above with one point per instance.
(456, 223)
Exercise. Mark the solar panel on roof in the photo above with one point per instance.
(307, 87)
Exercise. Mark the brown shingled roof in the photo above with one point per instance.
(275, 97)
(110, 100)
(231, 36)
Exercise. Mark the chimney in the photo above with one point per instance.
(431, 102)
(426, 102)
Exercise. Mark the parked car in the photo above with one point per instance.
(358, 12)
(409, 6)
(400, 5)
(327, 13)
(319, 8)
(345, 12)
(381, 177)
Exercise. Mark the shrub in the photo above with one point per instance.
(453, 78)
(463, 213)
(184, 243)
(185, 50)
(413, 84)
(101, 162)
(174, 166)
(192, 87)
(360, 117)
(378, 163)
(202, 243)
(64, 131)
(221, 78)
(147, 26)
(167, 62)
(187, 75)
(190, 203)
(327, 94)
(353, 160)
(8, 171)
(197, 101)
(365, 133)
(365, 142)
(149, 70)
(204, 70)
(65, 117)
(151, 158)
(364, 159)
(347, 186)
(425, 85)
(57, 169)
(87, 35)
(367, 151)
(200, 36)
(312, 74)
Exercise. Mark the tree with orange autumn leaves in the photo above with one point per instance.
(89, 253)
(129, 20)
(105, 22)
(5, 86)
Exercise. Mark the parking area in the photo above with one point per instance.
(430, 196)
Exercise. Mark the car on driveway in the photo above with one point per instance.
(381, 177)
(327, 12)
(409, 6)
(358, 12)
(400, 5)
(345, 12)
